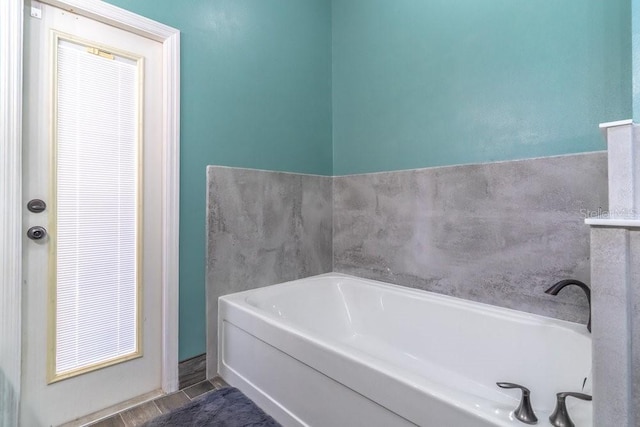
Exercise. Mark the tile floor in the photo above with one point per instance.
(192, 371)
(193, 383)
(144, 412)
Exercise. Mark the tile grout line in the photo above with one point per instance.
(157, 407)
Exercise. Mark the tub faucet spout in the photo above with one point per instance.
(553, 290)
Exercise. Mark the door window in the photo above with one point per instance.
(96, 225)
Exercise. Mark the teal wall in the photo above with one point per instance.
(635, 29)
(256, 92)
(421, 83)
(409, 83)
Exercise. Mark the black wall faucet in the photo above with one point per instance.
(553, 290)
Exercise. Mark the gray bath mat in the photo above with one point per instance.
(226, 407)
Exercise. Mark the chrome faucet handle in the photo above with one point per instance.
(560, 416)
(524, 411)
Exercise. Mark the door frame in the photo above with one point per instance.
(11, 60)
(11, 22)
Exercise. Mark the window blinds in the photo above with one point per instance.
(97, 184)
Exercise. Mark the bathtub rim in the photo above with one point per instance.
(495, 310)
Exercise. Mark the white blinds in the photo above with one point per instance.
(97, 207)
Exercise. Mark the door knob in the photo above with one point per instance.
(37, 233)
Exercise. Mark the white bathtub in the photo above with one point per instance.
(335, 350)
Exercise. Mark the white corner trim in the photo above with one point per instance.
(615, 124)
(631, 221)
(11, 22)
(170, 39)
(604, 127)
(608, 125)
(171, 219)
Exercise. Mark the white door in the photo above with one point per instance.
(92, 285)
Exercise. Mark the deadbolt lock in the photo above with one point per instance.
(36, 205)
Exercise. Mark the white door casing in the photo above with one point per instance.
(11, 227)
(10, 208)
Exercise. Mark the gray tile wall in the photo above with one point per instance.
(263, 228)
(616, 325)
(615, 276)
(498, 233)
(634, 285)
(610, 326)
